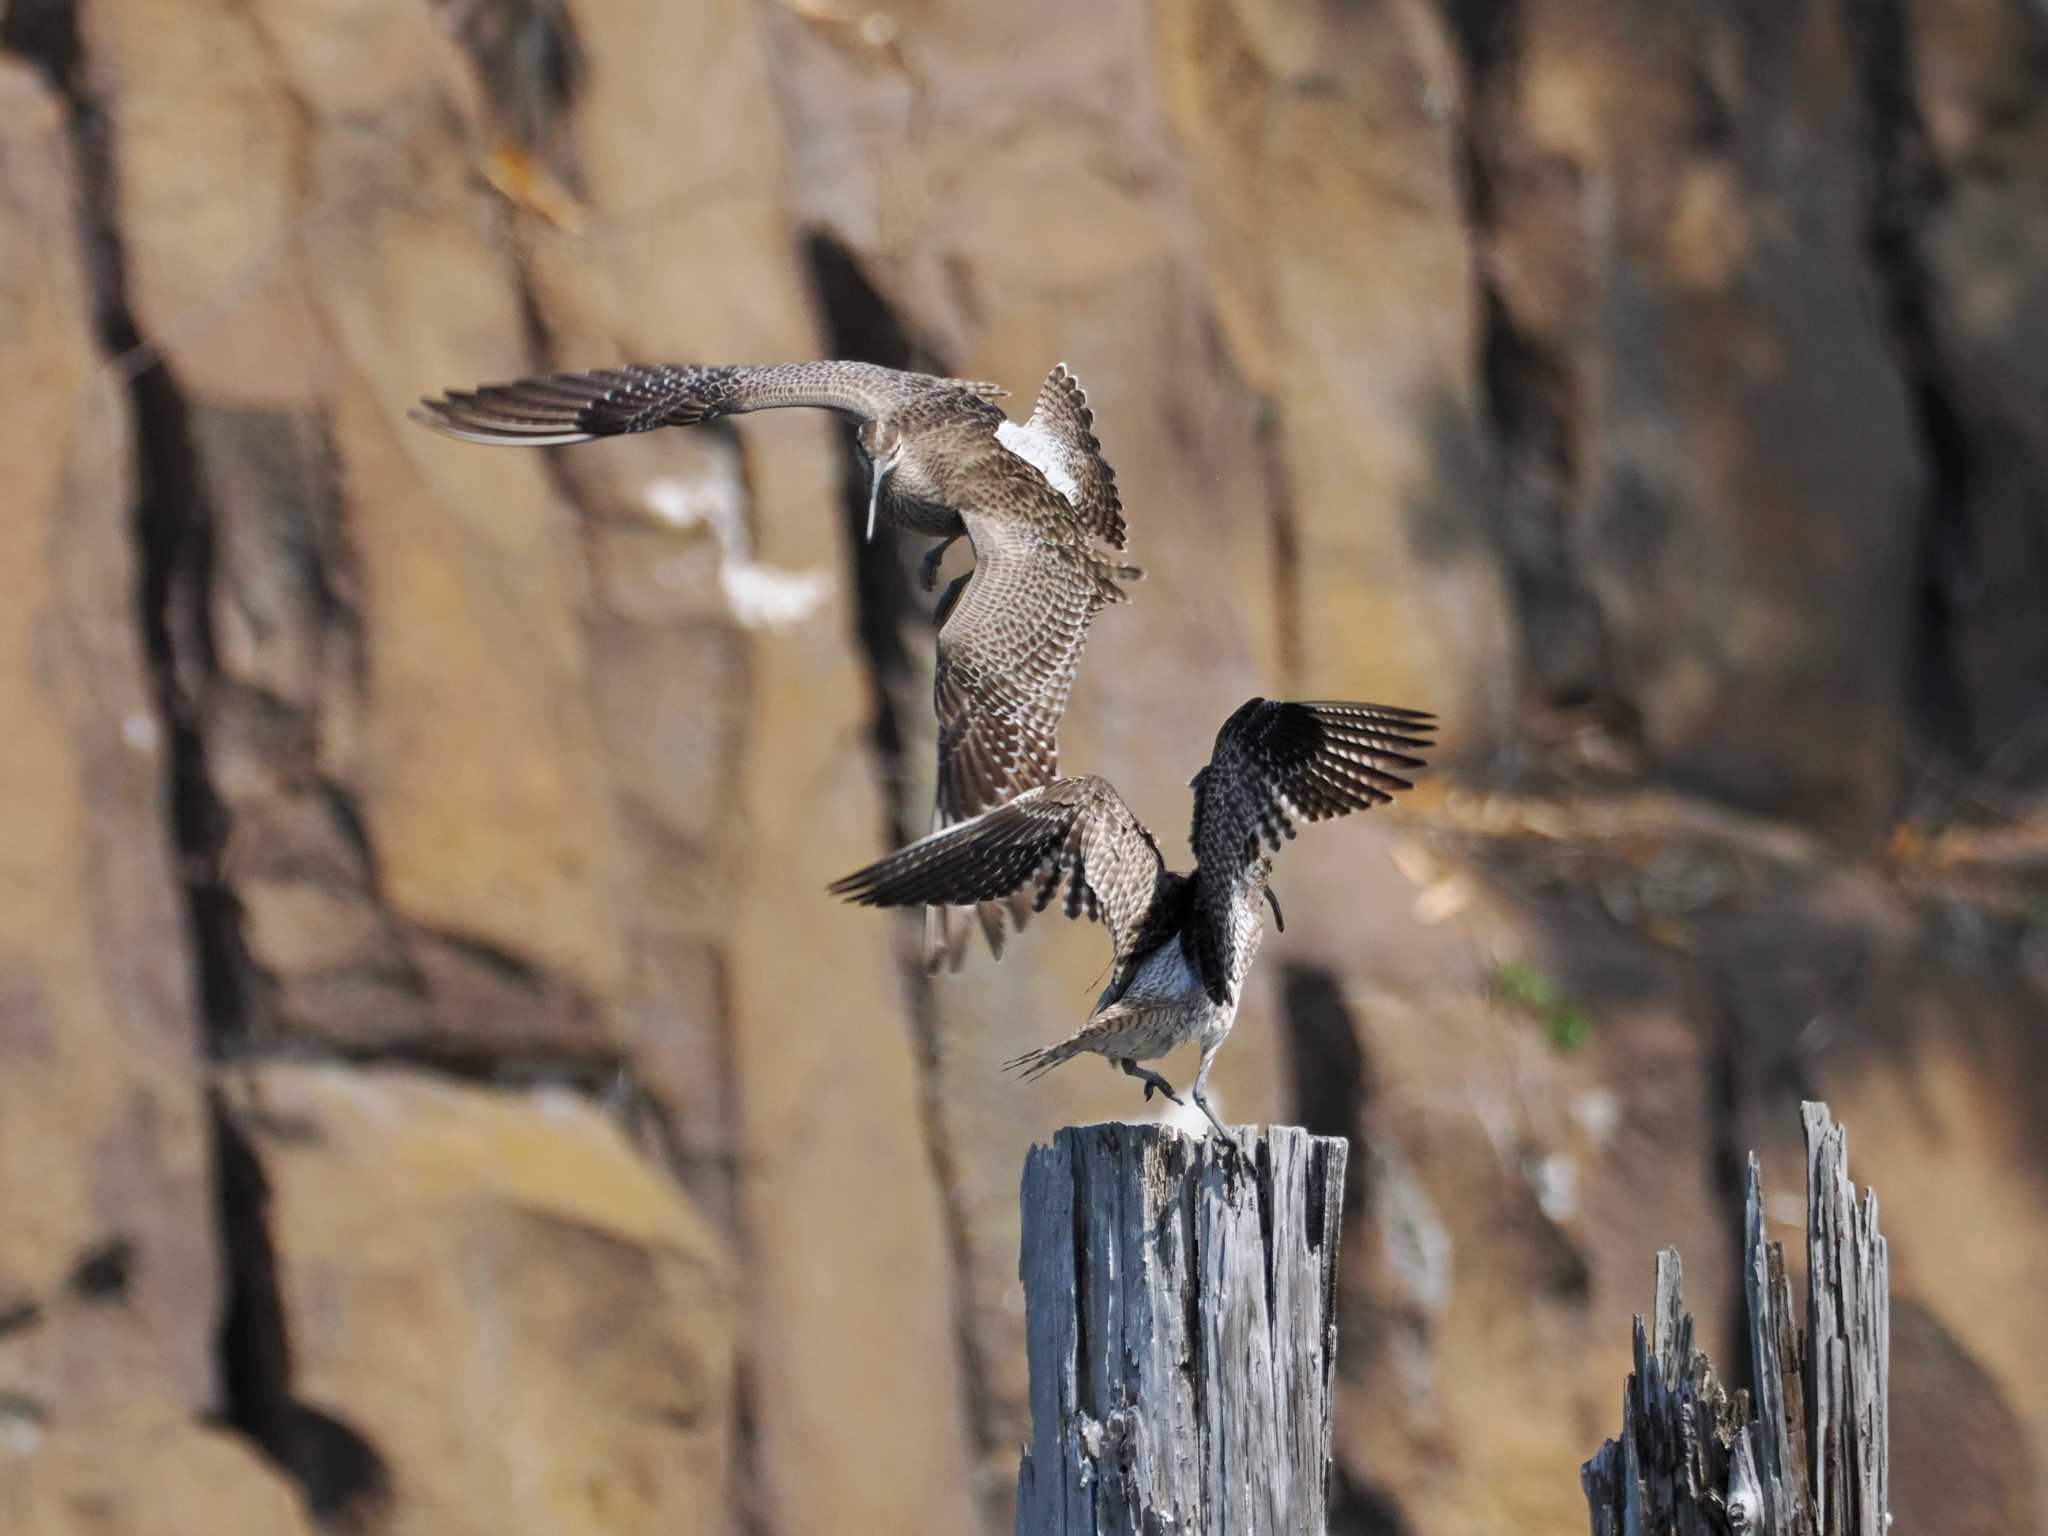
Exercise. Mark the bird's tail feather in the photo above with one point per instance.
(947, 933)
(1035, 1064)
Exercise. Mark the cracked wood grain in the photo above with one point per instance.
(1807, 1457)
(1181, 1323)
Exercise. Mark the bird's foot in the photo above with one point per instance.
(1151, 1080)
(1202, 1103)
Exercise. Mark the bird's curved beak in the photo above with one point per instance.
(1274, 902)
(879, 471)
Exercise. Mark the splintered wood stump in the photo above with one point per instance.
(1180, 1306)
(1808, 1457)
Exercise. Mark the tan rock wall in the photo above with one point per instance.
(108, 1274)
(1656, 398)
(515, 1320)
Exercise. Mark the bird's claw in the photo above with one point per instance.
(1152, 1080)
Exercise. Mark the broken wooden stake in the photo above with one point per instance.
(1808, 1457)
(1180, 1305)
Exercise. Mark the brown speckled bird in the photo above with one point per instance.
(1183, 943)
(1034, 498)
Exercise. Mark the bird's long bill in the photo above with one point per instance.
(875, 498)
(1274, 902)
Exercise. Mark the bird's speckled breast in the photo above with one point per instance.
(1247, 929)
(923, 516)
(1166, 975)
(1163, 1006)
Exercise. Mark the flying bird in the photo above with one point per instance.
(1182, 943)
(1036, 499)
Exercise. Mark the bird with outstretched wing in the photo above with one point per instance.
(1182, 944)
(1036, 499)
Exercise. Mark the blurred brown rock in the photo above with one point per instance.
(108, 1283)
(495, 1315)
(1657, 397)
(1973, 161)
(142, 1472)
(1707, 438)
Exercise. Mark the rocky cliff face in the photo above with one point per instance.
(435, 1092)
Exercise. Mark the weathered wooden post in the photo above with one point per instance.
(1180, 1304)
(1808, 1458)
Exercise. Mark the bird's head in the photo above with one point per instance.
(881, 444)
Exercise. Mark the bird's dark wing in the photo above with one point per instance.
(1059, 440)
(638, 397)
(1274, 763)
(1071, 833)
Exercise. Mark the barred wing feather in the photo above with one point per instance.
(1275, 764)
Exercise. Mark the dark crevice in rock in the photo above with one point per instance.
(1532, 409)
(21, 1413)
(175, 541)
(601, 1076)
(1361, 1508)
(1332, 1082)
(527, 57)
(103, 1272)
(172, 529)
(344, 1479)
(345, 814)
(19, 1317)
(1529, 390)
(1761, 983)
(1284, 523)
(861, 325)
(175, 557)
(45, 34)
(1904, 186)
(1326, 1067)
(1727, 1169)
(499, 963)
(747, 1505)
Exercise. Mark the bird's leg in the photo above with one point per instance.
(1200, 1094)
(928, 571)
(1149, 1078)
(943, 608)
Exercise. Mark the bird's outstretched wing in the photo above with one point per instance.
(1072, 833)
(1059, 441)
(1008, 650)
(1274, 763)
(638, 397)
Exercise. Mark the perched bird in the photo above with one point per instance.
(1036, 499)
(1183, 943)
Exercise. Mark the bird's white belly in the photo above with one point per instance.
(1164, 1006)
